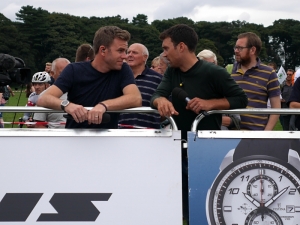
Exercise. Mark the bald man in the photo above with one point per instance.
(147, 81)
(57, 67)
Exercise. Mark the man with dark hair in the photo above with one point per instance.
(208, 86)
(286, 88)
(259, 81)
(105, 83)
(84, 52)
(294, 103)
(272, 65)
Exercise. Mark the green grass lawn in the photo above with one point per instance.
(18, 100)
(278, 126)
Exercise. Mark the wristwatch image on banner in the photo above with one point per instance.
(258, 183)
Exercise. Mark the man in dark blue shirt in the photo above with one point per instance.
(105, 83)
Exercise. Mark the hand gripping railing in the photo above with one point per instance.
(41, 109)
(244, 111)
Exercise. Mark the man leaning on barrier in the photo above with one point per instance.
(208, 86)
(105, 83)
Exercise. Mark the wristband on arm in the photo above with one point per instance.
(103, 106)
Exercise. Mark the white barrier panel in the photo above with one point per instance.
(115, 177)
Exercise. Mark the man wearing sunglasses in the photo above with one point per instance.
(259, 82)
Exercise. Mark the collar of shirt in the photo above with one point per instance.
(240, 71)
(145, 71)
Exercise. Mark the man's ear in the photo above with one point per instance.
(253, 50)
(182, 46)
(51, 73)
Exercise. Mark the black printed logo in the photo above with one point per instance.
(69, 206)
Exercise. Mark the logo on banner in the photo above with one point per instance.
(70, 207)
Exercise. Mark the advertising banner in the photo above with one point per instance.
(238, 177)
(115, 177)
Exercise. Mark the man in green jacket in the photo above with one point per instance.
(210, 87)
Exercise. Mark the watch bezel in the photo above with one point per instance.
(64, 104)
(210, 197)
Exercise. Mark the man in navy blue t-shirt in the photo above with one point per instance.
(105, 83)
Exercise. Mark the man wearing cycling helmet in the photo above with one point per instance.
(40, 82)
(104, 83)
(54, 120)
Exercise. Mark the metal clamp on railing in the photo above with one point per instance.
(244, 111)
(41, 109)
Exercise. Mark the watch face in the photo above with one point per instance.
(64, 103)
(255, 191)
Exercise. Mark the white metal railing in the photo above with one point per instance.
(41, 109)
(243, 111)
(172, 122)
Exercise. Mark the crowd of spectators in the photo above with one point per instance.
(110, 75)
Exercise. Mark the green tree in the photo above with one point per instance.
(285, 43)
(13, 43)
(140, 20)
(40, 36)
(35, 31)
(8, 35)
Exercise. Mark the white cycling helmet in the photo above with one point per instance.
(41, 77)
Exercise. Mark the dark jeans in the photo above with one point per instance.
(285, 121)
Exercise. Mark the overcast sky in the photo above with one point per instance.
(256, 11)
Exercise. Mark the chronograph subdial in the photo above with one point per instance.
(263, 216)
(262, 188)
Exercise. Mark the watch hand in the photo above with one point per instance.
(252, 200)
(261, 192)
(273, 199)
(261, 197)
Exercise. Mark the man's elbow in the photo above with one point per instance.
(293, 105)
(244, 100)
(135, 100)
(40, 101)
(240, 103)
(139, 101)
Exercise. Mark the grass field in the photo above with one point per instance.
(18, 100)
(278, 126)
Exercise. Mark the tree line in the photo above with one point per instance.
(38, 36)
